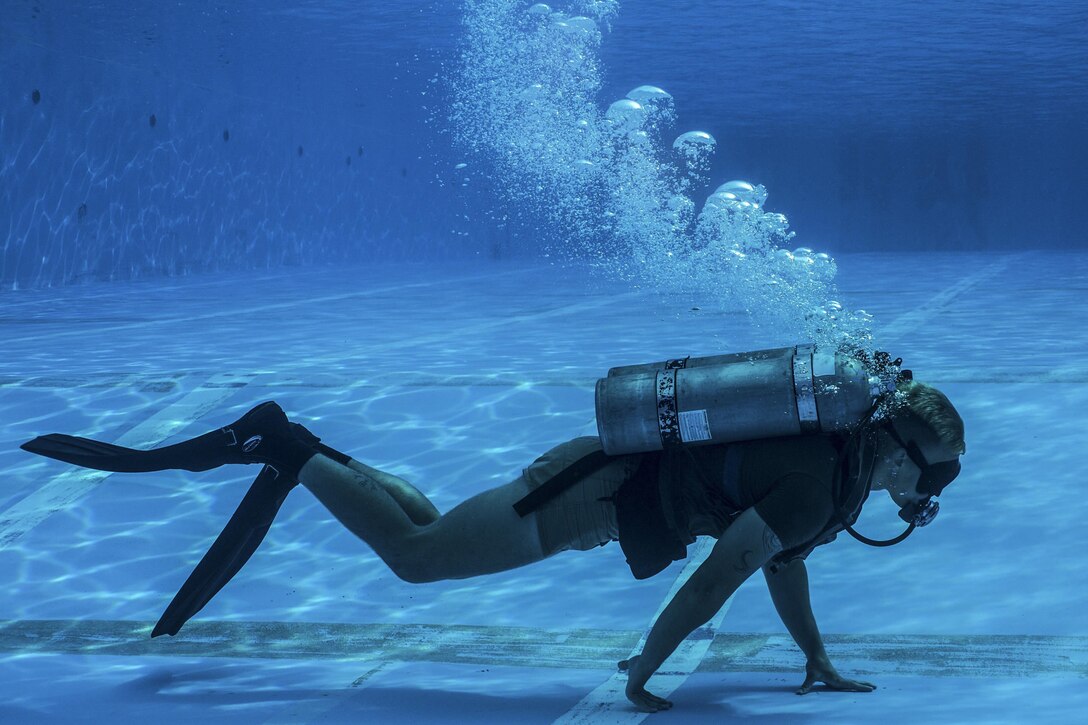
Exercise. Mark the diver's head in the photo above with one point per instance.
(918, 449)
(933, 408)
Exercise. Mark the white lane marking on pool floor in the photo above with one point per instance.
(607, 704)
(110, 290)
(261, 308)
(913, 320)
(1012, 656)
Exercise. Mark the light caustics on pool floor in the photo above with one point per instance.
(984, 327)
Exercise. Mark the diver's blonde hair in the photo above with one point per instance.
(936, 410)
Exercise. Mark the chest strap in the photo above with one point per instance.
(587, 465)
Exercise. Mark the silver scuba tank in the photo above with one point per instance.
(727, 398)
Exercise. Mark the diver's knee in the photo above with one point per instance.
(415, 563)
(413, 575)
(408, 570)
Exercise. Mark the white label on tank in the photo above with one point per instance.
(694, 426)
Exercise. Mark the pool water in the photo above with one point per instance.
(455, 378)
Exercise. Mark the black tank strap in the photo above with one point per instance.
(585, 466)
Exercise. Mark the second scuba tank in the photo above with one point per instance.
(727, 398)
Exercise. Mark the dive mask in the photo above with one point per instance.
(932, 481)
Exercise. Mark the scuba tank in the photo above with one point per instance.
(747, 396)
(743, 396)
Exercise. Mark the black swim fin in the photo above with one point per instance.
(239, 539)
(104, 456)
(263, 435)
(231, 550)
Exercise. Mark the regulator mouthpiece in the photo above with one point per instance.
(920, 514)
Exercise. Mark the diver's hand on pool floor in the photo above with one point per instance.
(636, 692)
(826, 673)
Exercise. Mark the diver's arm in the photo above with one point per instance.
(789, 592)
(745, 546)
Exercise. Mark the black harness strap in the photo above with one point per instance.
(560, 482)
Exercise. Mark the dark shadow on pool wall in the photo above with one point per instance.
(115, 171)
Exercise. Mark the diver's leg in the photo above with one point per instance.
(483, 535)
(418, 507)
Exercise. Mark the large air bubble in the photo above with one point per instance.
(649, 94)
(744, 191)
(626, 115)
(694, 144)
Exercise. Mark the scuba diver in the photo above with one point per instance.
(772, 453)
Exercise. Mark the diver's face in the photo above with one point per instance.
(896, 472)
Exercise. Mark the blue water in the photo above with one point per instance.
(294, 226)
(874, 126)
